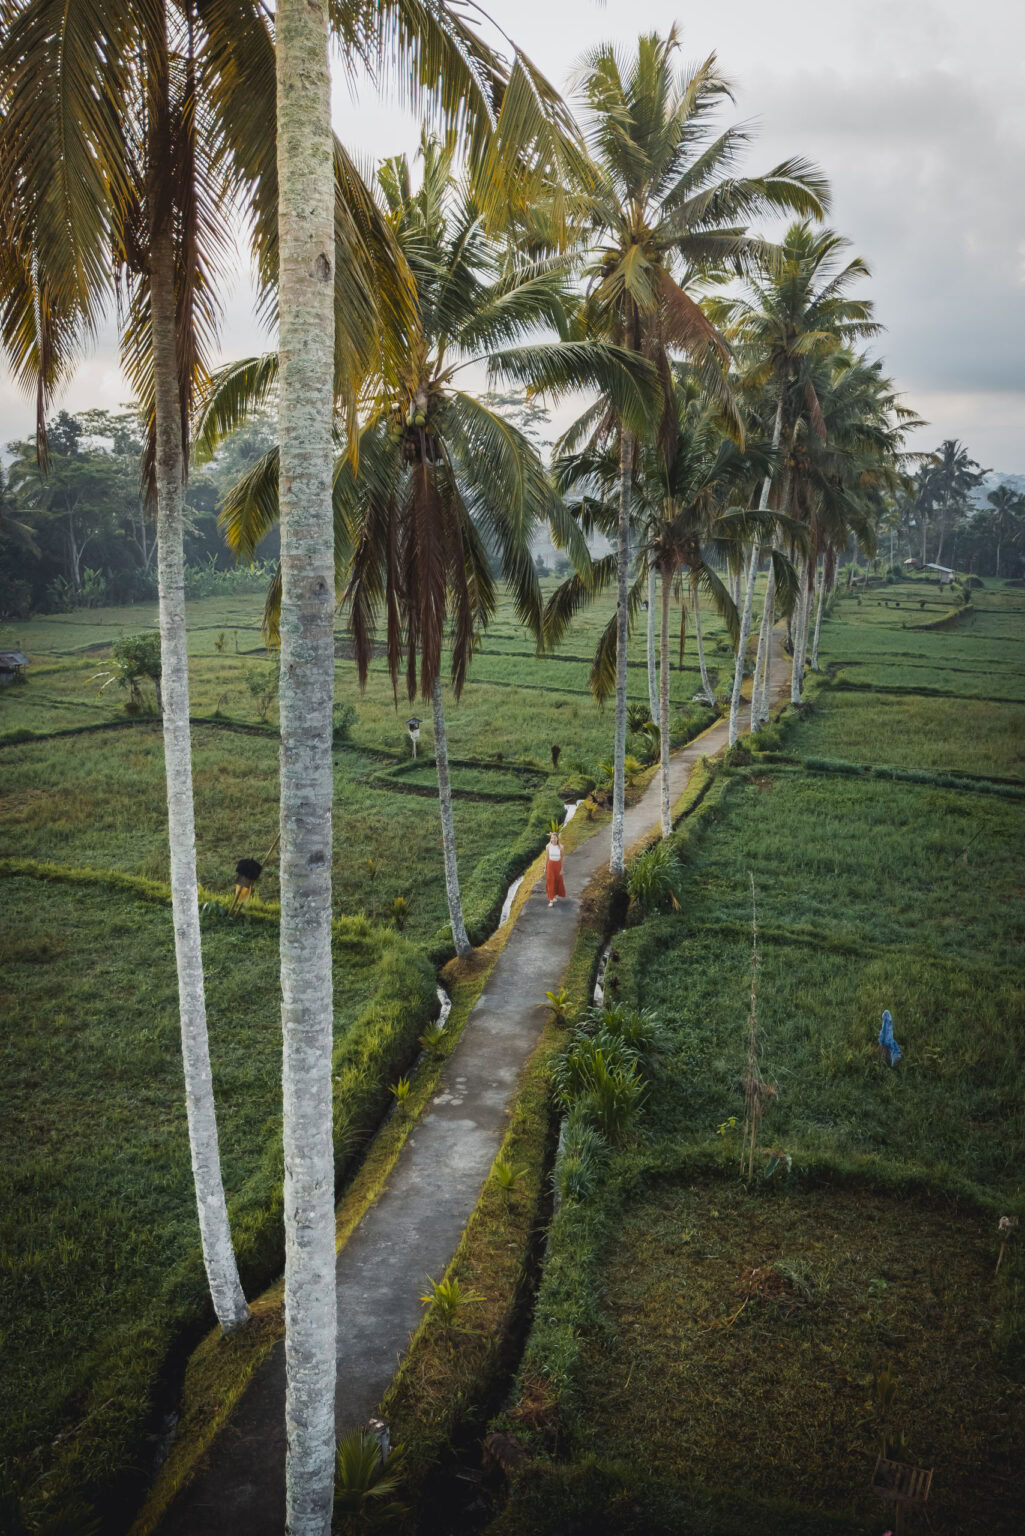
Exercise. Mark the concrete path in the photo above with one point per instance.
(415, 1226)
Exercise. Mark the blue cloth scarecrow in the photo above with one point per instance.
(886, 1039)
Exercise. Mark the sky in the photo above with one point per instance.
(915, 109)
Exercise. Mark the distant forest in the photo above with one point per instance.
(79, 534)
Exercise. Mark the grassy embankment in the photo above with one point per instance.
(720, 1356)
(101, 1276)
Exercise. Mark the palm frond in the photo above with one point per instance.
(627, 380)
(234, 395)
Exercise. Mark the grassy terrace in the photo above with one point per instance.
(101, 1275)
(98, 798)
(715, 1357)
(101, 1280)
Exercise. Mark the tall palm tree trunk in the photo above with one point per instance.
(448, 831)
(215, 1233)
(706, 686)
(760, 686)
(617, 856)
(663, 680)
(800, 635)
(653, 689)
(306, 307)
(745, 633)
(820, 589)
(756, 681)
(765, 692)
(745, 621)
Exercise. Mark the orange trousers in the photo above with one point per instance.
(554, 883)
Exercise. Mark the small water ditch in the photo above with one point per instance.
(461, 1496)
(598, 995)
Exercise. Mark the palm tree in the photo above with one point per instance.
(1008, 517)
(687, 488)
(76, 178)
(437, 488)
(946, 484)
(661, 198)
(198, 124)
(305, 413)
(795, 309)
(303, 474)
(840, 478)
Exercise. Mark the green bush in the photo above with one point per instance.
(582, 1154)
(635, 1029)
(654, 879)
(599, 1077)
(366, 1480)
(344, 720)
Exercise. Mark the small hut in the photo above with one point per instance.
(12, 665)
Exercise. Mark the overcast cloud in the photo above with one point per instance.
(916, 111)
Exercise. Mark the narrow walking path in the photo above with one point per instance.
(415, 1226)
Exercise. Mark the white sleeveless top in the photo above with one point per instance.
(554, 853)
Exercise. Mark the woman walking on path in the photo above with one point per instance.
(554, 883)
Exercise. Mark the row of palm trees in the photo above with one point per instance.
(728, 424)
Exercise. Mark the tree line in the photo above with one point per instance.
(735, 420)
(80, 532)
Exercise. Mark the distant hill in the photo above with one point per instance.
(991, 480)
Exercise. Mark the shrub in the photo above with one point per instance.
(262, 683)
(636, 1029)
(598, 1076)
(433, 1038)
(644, 744)
(654, 879)
(739, 755)
(571, 1072)
(508, 1175)
(612, 1096)
(447, 1298)
(136, 659)
(344, 720)
(582, 1152)
(367, 1478)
